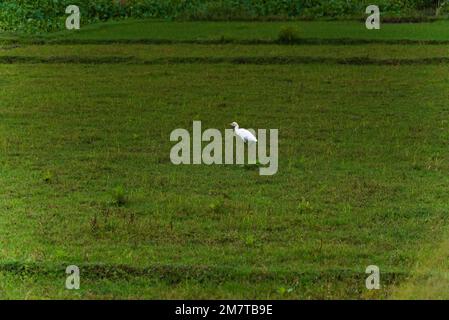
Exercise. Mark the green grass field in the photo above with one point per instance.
(363, 162)
(135, 30)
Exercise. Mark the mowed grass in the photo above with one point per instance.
(206, 31)
(148, 53)
(148, 29)
(362, 175)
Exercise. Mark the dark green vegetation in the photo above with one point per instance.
(86, 177)
(49, 15)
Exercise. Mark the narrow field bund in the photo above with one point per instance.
(251, 42)
(222, 60)
(176, 273)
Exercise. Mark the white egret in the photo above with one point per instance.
(244, 134)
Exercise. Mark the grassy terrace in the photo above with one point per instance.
(362, 177)
(140, 53)
(157, 31)
(180, 31)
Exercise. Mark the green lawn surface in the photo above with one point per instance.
(148, 29)
(362, 175)
(154, 52)
(191, 31)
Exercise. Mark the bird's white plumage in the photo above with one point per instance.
(244, 134)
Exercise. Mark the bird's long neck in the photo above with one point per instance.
(236, 128)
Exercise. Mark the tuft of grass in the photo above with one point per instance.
(217, 206)
(283, 290)
(304, 206)
(250, 240)
(119, 197)
(288, 34)
(47, 176)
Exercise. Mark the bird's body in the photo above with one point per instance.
(243, 134)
